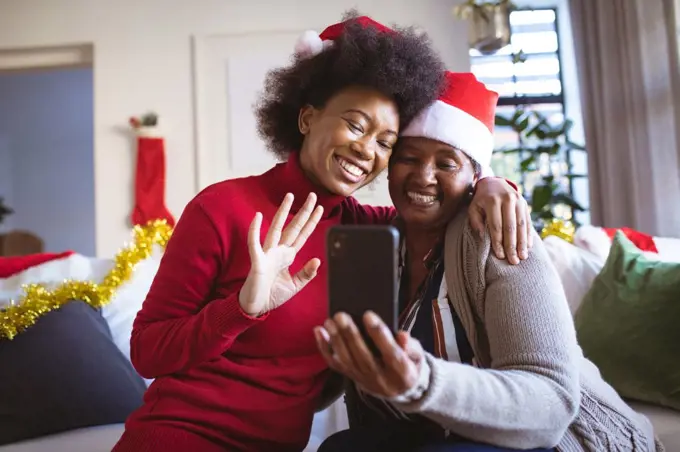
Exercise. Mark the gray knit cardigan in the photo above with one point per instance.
(530, 385)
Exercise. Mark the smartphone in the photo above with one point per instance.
(363, 274)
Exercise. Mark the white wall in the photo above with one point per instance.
(677, 23)
(142, 53)
(46, 158)
(5, 181)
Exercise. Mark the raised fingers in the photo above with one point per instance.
(276, 227)
(306, 274)
(292, 231)
(254, 246)
(308, 228)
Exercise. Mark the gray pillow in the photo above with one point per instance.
(63, 373)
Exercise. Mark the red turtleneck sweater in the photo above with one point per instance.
(224, 380)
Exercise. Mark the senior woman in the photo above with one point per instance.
(487, 359)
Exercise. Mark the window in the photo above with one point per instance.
(528, 73)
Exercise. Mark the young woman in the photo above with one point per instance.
(235, 368)
(487, 359)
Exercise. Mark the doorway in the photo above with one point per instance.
(47, 149)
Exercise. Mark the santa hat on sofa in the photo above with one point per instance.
(312, 43)
(462, 117)
(598, 240)
(10, 266)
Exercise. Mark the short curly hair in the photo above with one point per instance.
(401, 65)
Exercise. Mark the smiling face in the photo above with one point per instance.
(349, 141)
(429, 181)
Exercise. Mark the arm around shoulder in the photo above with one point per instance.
(363, 214)
(527, 391)
(178, 326)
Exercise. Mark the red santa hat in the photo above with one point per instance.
(462, 117)
(10, 266)
(598, 240)
(312, 43)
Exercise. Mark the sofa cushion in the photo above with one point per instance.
(63, 373)
(576, 267)
(120, 313)
(628, 325)
(88, 439)
(666, 423)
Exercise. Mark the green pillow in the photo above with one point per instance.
(629, 325)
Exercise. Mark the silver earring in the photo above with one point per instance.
(471, 192)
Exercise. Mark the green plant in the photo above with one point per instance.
(541, 144)
(4, 210)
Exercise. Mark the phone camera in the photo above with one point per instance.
(335, 245)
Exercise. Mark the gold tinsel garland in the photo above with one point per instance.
(559, 228)
(37, 300)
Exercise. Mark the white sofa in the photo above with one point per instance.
(103, 438)
(666, 424)
(577, 268)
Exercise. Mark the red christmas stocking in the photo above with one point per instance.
(150, 182)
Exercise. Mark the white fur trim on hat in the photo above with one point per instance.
(308, 44)
(448, 124)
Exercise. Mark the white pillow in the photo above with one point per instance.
(577, 268)
(669, 249)
(120, 313)
(593, 239)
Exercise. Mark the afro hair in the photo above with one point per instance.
(401, 65)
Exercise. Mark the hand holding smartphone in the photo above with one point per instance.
(363, 274)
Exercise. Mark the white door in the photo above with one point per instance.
(229, 72)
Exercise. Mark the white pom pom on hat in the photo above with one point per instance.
(308, 44)
(311, 43)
